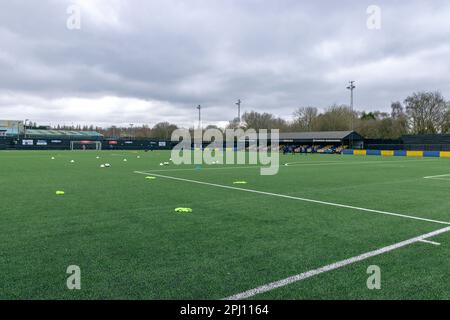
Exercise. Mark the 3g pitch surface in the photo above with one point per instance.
(310, 232)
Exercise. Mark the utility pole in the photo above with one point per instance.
(351, 87)
(238, 103)
(199, 116)
(25, 128)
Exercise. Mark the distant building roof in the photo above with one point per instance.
(62, 133)
(10, 123)
(12, 127)
(10, 131)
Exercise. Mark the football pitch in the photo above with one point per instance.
(309, 232)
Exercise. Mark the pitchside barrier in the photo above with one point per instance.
(89, 144)
(397, 153)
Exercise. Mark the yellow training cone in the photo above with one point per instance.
(183, 210)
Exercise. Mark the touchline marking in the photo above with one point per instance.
(430, 242)
(333, 266)
(439, 177)
(342, 162)
(294, 198)
(442, 179)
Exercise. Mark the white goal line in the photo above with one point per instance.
(333, 266)
(294, 198)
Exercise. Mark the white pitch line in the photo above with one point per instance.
(430, 242)
(343, 162)
(438, 177)
(295, 198)
(305, 275)
(442, 179)
(319, 163)
(203, 168)
(292, 164)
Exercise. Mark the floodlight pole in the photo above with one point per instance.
(351, 87)
(238, 103)
(199, 116)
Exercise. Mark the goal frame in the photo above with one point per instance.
(98, 144)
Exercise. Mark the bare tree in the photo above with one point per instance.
(337, 117)
(305, 118)
(427, 112)
(163, 130)
(257, 121)
(234, 124)
(397, 110)
(400, 120)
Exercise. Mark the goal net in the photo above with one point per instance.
(85, 145)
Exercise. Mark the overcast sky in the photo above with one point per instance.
(146, 61)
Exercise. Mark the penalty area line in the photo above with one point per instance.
(430, 242)
(294, 198)
(305, 275)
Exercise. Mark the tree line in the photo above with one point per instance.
(419, 113)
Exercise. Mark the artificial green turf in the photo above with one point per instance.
(123, 232)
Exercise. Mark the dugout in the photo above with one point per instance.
(427, 142)
(2, 139)
(384, 144)
(421, 142)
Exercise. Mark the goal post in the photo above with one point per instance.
(85, 145)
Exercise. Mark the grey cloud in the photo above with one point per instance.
(274, 55)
